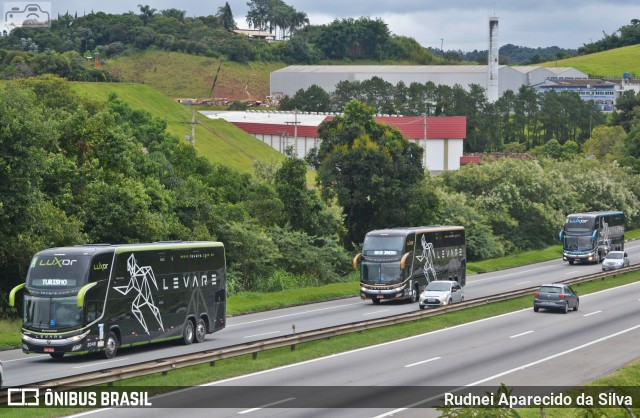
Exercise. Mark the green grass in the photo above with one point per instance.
(177, 117)
(180, 75)
(265, 360)
(520, 259)
(612, 63)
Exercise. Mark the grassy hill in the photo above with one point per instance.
(612, 63)
(181, 75)
(239, 156)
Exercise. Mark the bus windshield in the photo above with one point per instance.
(578, 243)
(383, 245)
(381, 273)
(55, 271)
(51, 313)
(579, 224)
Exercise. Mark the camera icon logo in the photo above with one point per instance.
(27, 14)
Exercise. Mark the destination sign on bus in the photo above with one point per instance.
(53, 282)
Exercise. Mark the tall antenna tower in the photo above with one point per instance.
(492, 84)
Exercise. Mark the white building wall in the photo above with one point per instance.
(456, 150)
(291, 79)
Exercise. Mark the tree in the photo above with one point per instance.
(606, 142)
(225, 16)
(303, 208)
(146, 13)
(368, 168)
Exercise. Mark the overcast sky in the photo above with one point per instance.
(450, 24)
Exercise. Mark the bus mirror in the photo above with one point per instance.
(12, 294)
(404, 260)
(82, 292)
(561, 235)
(355, 261)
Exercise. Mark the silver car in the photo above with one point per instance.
(615, 260)
(441, 292)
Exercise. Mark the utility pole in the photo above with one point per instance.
(424, 125)
(192, 138)
(295, 124)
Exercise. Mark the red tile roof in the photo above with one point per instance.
(412, 127)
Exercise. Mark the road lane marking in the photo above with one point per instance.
(31, 358)
(528, 281)
(592, 313)
(261, 335)
(246, 411)
(293, 314)
(562, 353)
(515, 369)
(374, 312)
(422, 362)
(104, 362)
(572, 272)
(521, 334)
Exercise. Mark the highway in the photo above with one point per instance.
(21, 369)
(518, 349)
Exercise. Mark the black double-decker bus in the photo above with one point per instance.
(90, 298)
(398, 263)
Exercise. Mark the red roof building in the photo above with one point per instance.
(442, 137)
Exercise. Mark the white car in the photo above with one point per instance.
(615, 260)
(440, 293)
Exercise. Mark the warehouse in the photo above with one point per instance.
(287, 81)
(442, 137)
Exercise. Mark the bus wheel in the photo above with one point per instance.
(56, 355)
(187, 332)
(201, 330)
(414, 294)
(111, 345)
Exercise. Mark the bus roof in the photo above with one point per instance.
(597, 213)
(416, 229)
(91, 249)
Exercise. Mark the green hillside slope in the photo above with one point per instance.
(181, 75)
(238, 155)
(613, 63)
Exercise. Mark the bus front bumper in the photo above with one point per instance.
(52, 344)
(398, 292)
(579, 258)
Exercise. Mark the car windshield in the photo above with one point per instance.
(550, 289)
(438, 287)
(615, 256)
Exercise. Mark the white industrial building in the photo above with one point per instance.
(287, 81)
(442, 138)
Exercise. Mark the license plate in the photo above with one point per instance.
(432, 300)
(379, 297)
(49, 350)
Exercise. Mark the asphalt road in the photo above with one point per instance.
(549, 350)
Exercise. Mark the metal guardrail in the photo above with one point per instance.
(210, 356)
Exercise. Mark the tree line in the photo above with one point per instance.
(517, 121)
(107, 35)
(74, 170)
